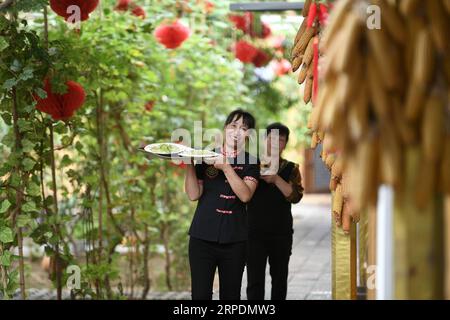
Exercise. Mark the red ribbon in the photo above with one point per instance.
(312, 15)
(323, 14)
(316, 68)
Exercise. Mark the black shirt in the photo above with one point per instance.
(269, 211)
(220, 215)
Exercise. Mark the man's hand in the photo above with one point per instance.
(271, 178)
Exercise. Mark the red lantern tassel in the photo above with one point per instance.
(316, 68)
(323, 14)
(312, 15)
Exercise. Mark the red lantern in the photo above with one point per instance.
(122, 5)
(125, 5)
(61, 8)
(243, 23)
(261, 59)
(245, 52)
(61, 106)
(266, 31)
(172, 35)
(138, 11)
(282, 67)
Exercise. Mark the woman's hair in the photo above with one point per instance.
(247, 118)
(282, 129)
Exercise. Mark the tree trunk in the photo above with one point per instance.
(145, 263)
(4, 275)
(168, 266)
(55, 213)
(19, 193)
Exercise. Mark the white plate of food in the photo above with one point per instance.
(198, 154)
(166, 149)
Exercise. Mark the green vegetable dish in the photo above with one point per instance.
(165, 148)
(199, 153)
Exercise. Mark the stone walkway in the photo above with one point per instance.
(310, 264)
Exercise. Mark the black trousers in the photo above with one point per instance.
(205, 257)
(276, 249)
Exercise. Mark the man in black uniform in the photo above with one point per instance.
(270, 222)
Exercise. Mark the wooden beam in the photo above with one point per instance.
(267, 6)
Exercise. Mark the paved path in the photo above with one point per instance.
(310, 264)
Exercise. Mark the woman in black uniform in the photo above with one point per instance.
(218, 232)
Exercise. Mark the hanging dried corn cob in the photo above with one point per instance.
(303, 52)
(382, 91)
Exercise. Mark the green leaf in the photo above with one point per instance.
(23, 220)
(41, 93)
(7, 118)
(24, 125)
(66, 140)
(29, 207)
(16, 66)
(65, 161)
(33, 189)
(3, 44)
(48, 234)
(6, 235)
(79, 146)
(5, 259)
(8, 84)
(30, 5)
(26, 74)
(28, 164)
(27, 145)
(5, 206)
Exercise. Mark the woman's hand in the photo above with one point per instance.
(192, 186)
(221, 163)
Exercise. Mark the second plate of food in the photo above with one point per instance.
(198, 154)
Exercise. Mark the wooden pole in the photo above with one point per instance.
(344, 267)
(447, 247)
(418, 236)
